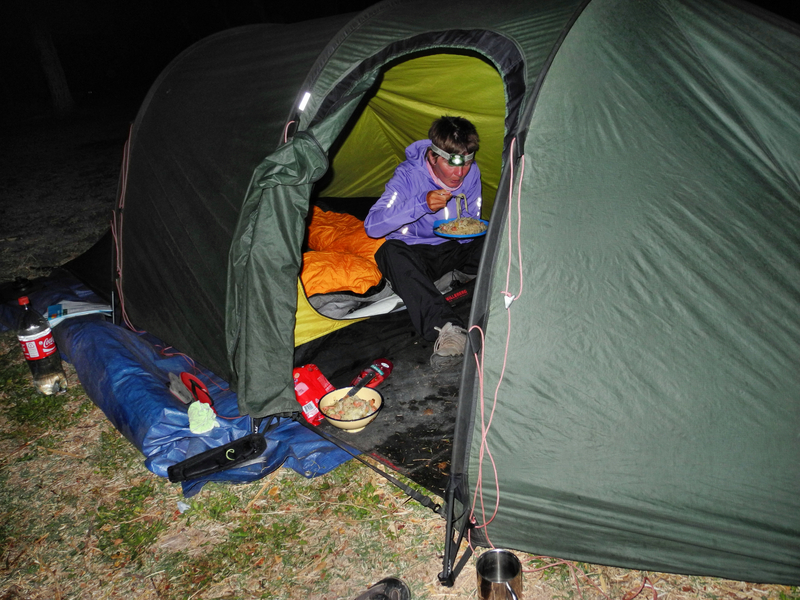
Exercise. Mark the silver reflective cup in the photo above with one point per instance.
(499, 576)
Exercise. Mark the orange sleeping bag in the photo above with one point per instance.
(341, 255)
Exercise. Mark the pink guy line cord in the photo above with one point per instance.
(576, 571)
(116, 231)
(511, 297)
(484, 451)
(286, 131)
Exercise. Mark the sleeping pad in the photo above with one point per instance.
(126, 374)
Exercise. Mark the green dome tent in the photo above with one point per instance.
(632, 395)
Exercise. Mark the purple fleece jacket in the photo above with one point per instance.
(401, 213)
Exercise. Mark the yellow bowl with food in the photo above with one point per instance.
(354, 413)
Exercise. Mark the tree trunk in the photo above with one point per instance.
(51, 65)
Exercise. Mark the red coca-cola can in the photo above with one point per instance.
(382, 369)
(310, 385)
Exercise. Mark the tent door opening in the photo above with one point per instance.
(407, 97)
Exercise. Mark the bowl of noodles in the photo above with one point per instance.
(461, 227)
(354, 413)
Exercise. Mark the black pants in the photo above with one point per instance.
(412, 270)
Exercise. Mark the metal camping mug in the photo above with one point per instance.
(499, 576)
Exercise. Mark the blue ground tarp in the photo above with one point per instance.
(126, 374)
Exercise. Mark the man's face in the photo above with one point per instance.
(450, 176)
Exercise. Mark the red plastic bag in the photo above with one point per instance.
(310, 385)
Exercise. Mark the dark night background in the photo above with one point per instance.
(111, 51)
(61, 152)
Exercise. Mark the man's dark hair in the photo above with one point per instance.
(454, 135)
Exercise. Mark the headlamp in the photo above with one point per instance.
(454, 160)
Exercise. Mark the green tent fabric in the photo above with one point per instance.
(212, 115)
(631, 395)
(653, 348)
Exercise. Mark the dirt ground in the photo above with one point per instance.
(58, 181)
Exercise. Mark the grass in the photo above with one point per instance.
(125, 528)
(30, 412)
(82, 518)
(113, 454)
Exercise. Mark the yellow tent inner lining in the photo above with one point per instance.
(410, 96)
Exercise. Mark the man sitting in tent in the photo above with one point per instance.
(423, 189)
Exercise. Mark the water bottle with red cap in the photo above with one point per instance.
(382, 369)
(36, 338)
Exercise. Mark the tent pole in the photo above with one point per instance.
(448, 575)
(410, 492)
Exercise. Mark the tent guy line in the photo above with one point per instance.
(486, 426)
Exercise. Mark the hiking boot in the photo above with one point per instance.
(449, 346)
(390, 588)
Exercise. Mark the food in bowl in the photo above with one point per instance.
(462, 226)
(351, 408)
(334, 403)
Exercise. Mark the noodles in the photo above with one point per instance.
(462, 226)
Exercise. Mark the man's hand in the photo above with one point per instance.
(437, 199)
